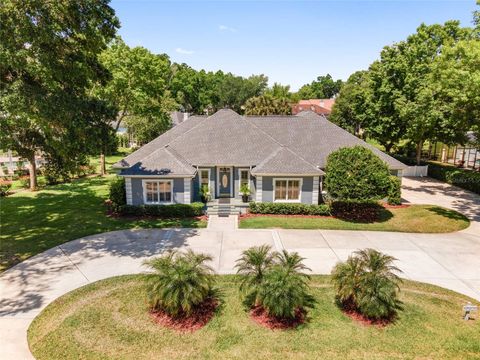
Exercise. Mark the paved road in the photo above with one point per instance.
(448, 260)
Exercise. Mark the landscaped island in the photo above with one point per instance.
(110, 317)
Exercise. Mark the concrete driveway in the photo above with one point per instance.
(430, 191)
(448, 260)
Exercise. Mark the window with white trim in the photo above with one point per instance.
(287, 190)
(204, 177)
(244, 177)
(158, 192)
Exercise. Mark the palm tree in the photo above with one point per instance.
(293, 262)
(252, 266)
(346, 279)
(379, 285)
(180, 282)
(284, 292)
(367, 281)
(254, 262)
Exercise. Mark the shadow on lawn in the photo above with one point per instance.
(451, 214)
(59, 214)
(29, 285)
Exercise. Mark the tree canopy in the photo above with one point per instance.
(267, 105)
(322, 88)
(49, 61)
(352, 108)
(416, 90)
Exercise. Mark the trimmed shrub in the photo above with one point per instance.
(356, 173)
(180, 282)
(163, 211)
(288, 209)
(465, 179)
(356, 210)
(395, 191)
(367, 283)
(117, 194)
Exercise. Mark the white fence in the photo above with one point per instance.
(415, 171)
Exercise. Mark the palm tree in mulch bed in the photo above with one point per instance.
(275, 287)
(181, 290)
(367, 286)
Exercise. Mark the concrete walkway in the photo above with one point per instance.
(448, 260)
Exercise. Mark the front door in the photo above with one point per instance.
(224, 179)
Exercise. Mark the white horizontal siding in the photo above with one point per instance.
(258, 195)
(186, 190)
(128, 190)
(316, 185)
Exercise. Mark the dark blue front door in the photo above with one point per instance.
(224, 179)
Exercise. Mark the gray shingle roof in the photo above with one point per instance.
(161, 162)
(285, 162)
(314, 137)
(279, 145)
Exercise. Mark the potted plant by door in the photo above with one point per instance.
(245, 191)
(205, 193)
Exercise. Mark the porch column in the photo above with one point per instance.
(186, 190)
(128, 190)
(258, 195)
(316, 187)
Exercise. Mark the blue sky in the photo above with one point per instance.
(292, 42)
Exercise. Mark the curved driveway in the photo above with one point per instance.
(448, 260)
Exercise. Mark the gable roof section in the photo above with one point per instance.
(162, 162)
(285, 162)
(159, 142)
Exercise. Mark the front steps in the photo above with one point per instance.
(222, 210)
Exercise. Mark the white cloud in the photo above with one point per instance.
(226, 28)
(184, 51)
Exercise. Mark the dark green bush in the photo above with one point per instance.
(356, 173)
(288, 208)
(357, 210)
(5, 188)
(163, 211)
(465, 179)
(117, 194)
(395, 191)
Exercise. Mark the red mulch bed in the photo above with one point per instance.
(198, 319)
(361, 319)
(401, 206)
(260, 316)
(250, 215)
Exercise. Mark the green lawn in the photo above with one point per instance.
(415, 218)
(34, 222)
(109, 320)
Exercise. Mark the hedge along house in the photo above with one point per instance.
(281, 158)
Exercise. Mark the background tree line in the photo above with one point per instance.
(425, 88)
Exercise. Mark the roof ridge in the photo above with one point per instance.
(270, 157)
(178, 158)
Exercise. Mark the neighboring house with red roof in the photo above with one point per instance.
(318, 106)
